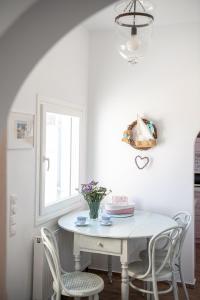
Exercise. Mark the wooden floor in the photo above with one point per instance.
(112, 291)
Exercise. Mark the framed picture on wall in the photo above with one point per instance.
(20, 131)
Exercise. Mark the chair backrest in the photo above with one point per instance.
(52, 255)
(183, 219)
(170, 238)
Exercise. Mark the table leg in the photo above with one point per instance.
(125, 281)
(124, 265)
(77, 258)
(110, 268)
(77, 262)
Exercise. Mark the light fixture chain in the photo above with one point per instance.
(142, 5)
(127, 6)
(135, 4)
(131, 6)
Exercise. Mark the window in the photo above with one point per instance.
(58, 153)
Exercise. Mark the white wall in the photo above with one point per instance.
(165, 87)
(62, 74)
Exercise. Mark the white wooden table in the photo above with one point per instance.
(114, 240)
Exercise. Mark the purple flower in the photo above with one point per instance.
(93, 182)
(88, 188)
(92, 192)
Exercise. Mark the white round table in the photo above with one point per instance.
(114, 240)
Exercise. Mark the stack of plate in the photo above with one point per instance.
(120, 209)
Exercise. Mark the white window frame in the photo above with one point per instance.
(44, 214)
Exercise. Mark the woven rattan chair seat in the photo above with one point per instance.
(81, 284)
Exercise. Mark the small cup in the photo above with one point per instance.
(81, 220)
(105, 219)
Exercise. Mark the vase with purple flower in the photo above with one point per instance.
(93, 194)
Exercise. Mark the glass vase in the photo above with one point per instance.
(94, 209)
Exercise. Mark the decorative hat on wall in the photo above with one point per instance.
(134, 21)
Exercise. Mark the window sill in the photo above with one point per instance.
(51, 216)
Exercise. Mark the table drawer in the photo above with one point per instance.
(101, 245)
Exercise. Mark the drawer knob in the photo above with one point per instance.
(100, 244)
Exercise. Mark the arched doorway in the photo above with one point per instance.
(197, 190)
(21, 47)
(197, 204)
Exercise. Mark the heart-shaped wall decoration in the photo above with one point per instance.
(141, 162)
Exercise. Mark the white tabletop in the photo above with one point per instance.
(142, 224)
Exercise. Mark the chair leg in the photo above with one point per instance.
(96, 297)
(58, 296)
(183, 282)
(155, 288)
(148, 288)
(175, 289)
(151, 296)
(53, 296)
(90, 298)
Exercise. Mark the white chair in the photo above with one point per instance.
(154, 270)
(183, 219)
(74, 284)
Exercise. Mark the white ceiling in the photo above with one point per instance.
(166, 12)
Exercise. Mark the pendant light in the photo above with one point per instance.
(134, 21)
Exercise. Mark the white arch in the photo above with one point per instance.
(21, 47)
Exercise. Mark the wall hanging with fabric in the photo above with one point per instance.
(141, 134)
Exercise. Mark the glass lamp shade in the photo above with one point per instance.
(134, 28)
(133, 47)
